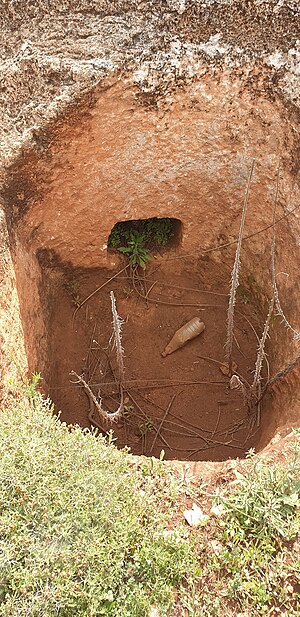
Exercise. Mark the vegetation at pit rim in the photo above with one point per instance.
(83, 530)
(255, 561)
(87, 530)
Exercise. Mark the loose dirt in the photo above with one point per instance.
(181, 404)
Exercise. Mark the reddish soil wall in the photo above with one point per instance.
(188, 158)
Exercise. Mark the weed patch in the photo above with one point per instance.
(254, 564)
(85, 529)
(83, 532)
(137, 239)
(135, 249)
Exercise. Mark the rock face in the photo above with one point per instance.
(52, 53)
(123, 110)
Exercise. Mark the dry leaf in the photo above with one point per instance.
(235, 383)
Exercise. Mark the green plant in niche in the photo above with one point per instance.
(135, 249)
(136, 238)
(159, 231)
(115, 236)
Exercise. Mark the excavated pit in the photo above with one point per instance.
(115, 162)
(202, 408)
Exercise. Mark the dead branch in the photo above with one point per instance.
(218, 421)
(283, 373)
(196, 290)
(103, 414)
(144, 415)
(166, 303)
(86, 367)
(183, 424)
(296, 334)
(261, 350)
(236, 383)
(248, 322)
(213, 444)
(117, 334)
(235, 278)
(136, 383)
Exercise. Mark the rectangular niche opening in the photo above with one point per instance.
(144, 237)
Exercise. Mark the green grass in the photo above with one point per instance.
(256, 567)
(82, 531)
(87, 530)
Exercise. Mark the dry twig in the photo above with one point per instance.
(261, 350)
(117, 336)
(283, 373)
(98, 289)
(235, 278)
(162, 421)
(166, 303)
(296, 334)
(104, 415)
